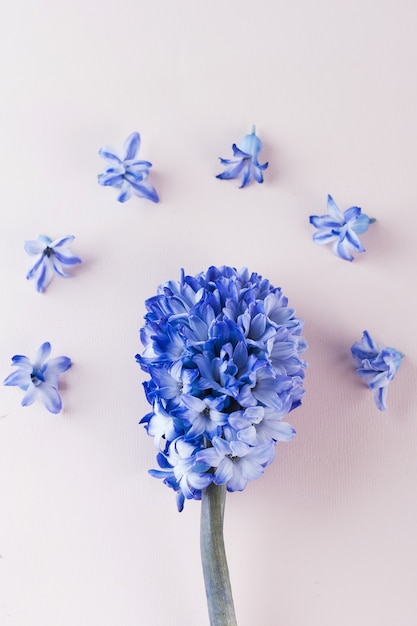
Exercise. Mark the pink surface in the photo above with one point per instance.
(328, 536)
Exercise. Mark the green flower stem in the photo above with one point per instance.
(213, 557)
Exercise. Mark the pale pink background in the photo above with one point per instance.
(328, 536)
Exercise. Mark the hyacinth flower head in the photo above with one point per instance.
(376, 365)
(53, 257)
(222, 352)
(245, 161)
(341, 228)
(39, 378)
(126, 172)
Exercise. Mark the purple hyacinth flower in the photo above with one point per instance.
(54, 257)
(341, 228)
(377, 366)
(40, 378)
(126, 172)
(245, 161)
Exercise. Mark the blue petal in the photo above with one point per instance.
(324, 237)
(58, 365)
(30, 396)
(232, 172)
(324, 221)
(58, 269)
(67, 260)
(245, 397)
(257, 174)
(380, 398)
(246, 175)
(110, 180)
(145, 190)
(34, 247)
(126, 192)
(334, 210)
(33, 270)
(44, 239)
(131, 146)
(361, 224)
(354, 241)
(229, 161)
(19, 378)
(44, 277)
(239, 479)
(23, 362)
(62, 242)
(251, 144)
(267, 394)
(224, 472)
(136, 167)
(51, 398)
(352, 213)
(180, 501)
(367, 339)
(379, 379)
(108, 153)
(42, 354)
(283, 431)
(237, 152)
(341, 248)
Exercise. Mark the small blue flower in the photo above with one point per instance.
(341, 228)
(377, 366)
(236, 462)
(245, 161)
(181, 471)
(53, 257)
(39, 378)
(127, 173)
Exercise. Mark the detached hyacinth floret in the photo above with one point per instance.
(53, 257)
(223, 353)
(126, 172)
(39, 378)
(341, 228)
(245, 161)
(377, 366)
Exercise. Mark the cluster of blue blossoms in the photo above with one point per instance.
(223, 353)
